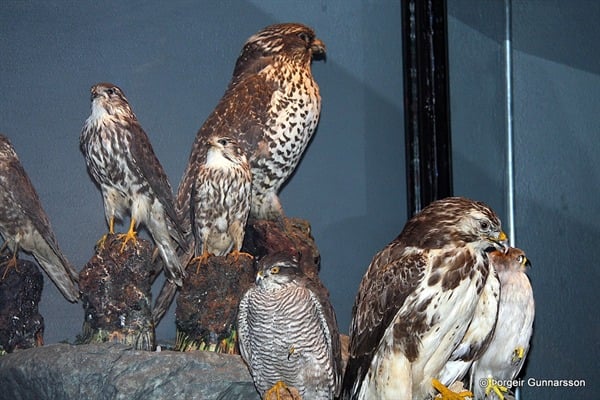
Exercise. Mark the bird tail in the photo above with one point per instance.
(58, 269)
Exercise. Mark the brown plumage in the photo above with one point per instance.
(120, 158)
(25, 226)
(417, 299)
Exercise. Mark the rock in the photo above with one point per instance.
(116, 289)
(21, 324)
(114, 371)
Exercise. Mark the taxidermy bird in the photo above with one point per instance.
(420, 298)
(120, 158)
(505, 355)
(270, 108)
(288, 333)
(25, 226)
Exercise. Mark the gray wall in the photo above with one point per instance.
(556, 103)
(173, 60)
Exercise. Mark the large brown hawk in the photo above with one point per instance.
(505, 355)
(421, 302)
(121, 160)
(25, 226)
(270, 108)
(288, 331)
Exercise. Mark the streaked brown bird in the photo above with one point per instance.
(506, 353)
(24, 224)
(288, 334)
(270, 108)
(121, 160)
(421, 298)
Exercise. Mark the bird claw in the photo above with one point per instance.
(498, 389)
(236, 254)
(10, 263)
(130, 236)
(275, 390)
(447, 394)
(201, 260)
(518, 354)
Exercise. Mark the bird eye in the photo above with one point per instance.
(484, 225)
(303, 36)
(522, 260)
(110, 91)
(275, 270)
(222, 142)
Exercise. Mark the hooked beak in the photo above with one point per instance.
(259, 277)
(318, 50)
(501, 241)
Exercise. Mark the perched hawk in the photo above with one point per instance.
(416, 306)
(120, 158)
(25, 226)
(506, 353)
(271, 109)
(221, 199)
(288, 332)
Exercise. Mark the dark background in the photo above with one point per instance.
(174, 60)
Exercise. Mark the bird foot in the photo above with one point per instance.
(201, 260)
(518, 354)
(279, 391)
(499, 390)
(447, 394)
(130, 236)
(10, 263)
(236, 254)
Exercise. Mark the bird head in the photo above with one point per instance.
(223, 151)
(512, 259)
(110, 99)
(455, 221)
(293, 41)
(277, 271)
(7, 151)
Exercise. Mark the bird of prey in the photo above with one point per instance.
(120, 158)
(25, 226)
(288, 333)
(270, 108)
(505, 355)
(221, 199)
(419, 301)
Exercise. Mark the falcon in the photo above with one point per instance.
(25, 226)
(288, 333)
(270, 108)
(121, 160)
(421, 298)
(221, 199)
(505, 355)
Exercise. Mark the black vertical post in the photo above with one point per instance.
(426, 102)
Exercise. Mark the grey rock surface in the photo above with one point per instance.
(115, 371)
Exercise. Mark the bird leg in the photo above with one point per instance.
(498, 389)
(111, 231)
(236, 254)
(129, 236)
(10, 263)
(200, 260)
(448, 394)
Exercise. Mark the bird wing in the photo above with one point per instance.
(393, 275)
(149, 166)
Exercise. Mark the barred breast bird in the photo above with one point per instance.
(288, 333)
(270, 108)
(505, 355)
(419, 300)
(25, 226)
(221, 199)
(121, 160)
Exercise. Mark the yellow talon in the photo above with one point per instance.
(448, 394)
(518, 354)
(236, 254)
(200, 260)
(111, 231)
(498, 389)
(129, 236)
(277, 387)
